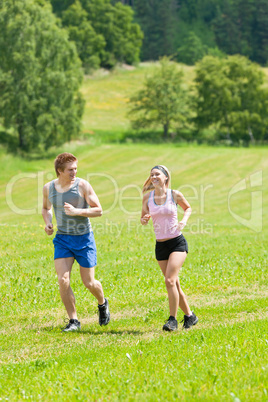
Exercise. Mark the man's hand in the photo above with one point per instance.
(49, 229)
(69, 209)
(145, 219)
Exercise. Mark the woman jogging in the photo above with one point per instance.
(171, 247)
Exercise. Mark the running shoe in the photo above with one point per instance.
(188, 322)
(73, 325)
(171, 324)
(104, 313)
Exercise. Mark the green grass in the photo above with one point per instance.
(223, 358)
(107, 96)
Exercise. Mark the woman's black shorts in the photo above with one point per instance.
(163, 249)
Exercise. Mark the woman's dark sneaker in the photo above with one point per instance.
(104, 313)
(188, 322)
(73, 325)
(171, 324)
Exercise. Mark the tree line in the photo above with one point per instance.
(227, 104)
(108, 31)
(104, 33)
(190, 29)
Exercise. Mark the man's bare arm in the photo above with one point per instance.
(47, 211)
(91, 198)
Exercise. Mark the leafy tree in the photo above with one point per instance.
(126, 2)
(161, 101)
(241, 26)
(104, 33)
(260, 36)
(159, 21)
(40, 76)
(226, 28)
(60, 5)
(230, 96)
(123, 37)
(233, 26)
(89, 44)
(192, 50)
(166, 24)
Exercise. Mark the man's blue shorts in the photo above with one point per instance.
(81, 247)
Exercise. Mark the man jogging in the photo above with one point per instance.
(71, 198)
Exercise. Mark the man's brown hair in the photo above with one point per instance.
(61, 161)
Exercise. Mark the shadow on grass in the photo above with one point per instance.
(58, 329)
(112, 332)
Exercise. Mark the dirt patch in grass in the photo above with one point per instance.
(229, 297)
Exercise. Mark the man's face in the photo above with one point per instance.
(69, 172)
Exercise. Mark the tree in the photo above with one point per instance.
(40, 76)
(230, 96)
(159, 21)
(161, 101)
(89, 44)
(234, 27)
(104, 33)
(60, 5)
(241, 27)
(192, 50)
(123, 37)
(260, 36)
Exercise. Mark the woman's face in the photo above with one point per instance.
(158, 178)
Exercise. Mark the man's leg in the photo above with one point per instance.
(94, 286)
(63, 268)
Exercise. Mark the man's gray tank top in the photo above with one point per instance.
(71, 225)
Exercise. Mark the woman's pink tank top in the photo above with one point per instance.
(164, 217)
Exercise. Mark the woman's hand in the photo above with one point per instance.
(181, 225)
(145, 219)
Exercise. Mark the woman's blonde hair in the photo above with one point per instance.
(148, 185)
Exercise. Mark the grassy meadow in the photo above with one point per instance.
(223, 358)
(107, 96)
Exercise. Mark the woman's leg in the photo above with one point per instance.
(170, 269)
(184, 306)
(175, 262)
